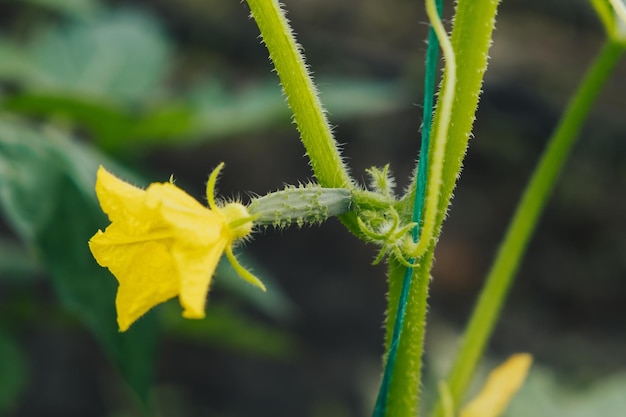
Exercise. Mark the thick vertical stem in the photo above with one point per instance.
(471, 38)
(404, 387)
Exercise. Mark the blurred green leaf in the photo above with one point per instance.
(106, 74)
(543, 395)
(224, 327)
(346, 98)
(74, 8)
(208, 113)
(106, 121)
(221, 113)
(15, 64)
(113, 126)
(115, 57)
(274, 302)
(120, 55)
(16, 263)
(13, 373)
(46, 194)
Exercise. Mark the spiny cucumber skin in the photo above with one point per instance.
(302, 205)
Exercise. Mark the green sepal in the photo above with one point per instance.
(301, 205)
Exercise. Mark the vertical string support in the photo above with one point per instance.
(432, 56)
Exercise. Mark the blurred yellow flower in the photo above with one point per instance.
(502, 384)
(162, 243)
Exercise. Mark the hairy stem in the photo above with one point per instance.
(471, 39)
(404, 387)
(425, 181)
(310, 117)
(301, 94)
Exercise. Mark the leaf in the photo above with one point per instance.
(221, 113)
(46, 194)
(543, 395)
(210, 113)
(120, 56)
(106, 72)
(15, 64)
(107, 122)
(15, 263)
(274, 302)
(347, 98)
(73, 8)
(229, 329)
(13, 373)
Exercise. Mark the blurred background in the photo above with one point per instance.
(158, 88)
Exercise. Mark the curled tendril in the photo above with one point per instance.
(393, 236)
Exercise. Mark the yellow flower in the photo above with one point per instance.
(502, 384)
(162, 243)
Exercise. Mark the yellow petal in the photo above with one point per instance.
(126, 205)
(117, 198)
(190, 221)
(173, 198)
(145, 271)
(200, 236)
(501, 386)
(196, 267)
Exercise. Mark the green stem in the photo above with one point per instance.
(404, 387)
(474, 21)
(310, 117)
(525, 221)
(471, 38)
(437, 35)
(298, 86)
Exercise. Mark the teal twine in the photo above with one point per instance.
(432, 55)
